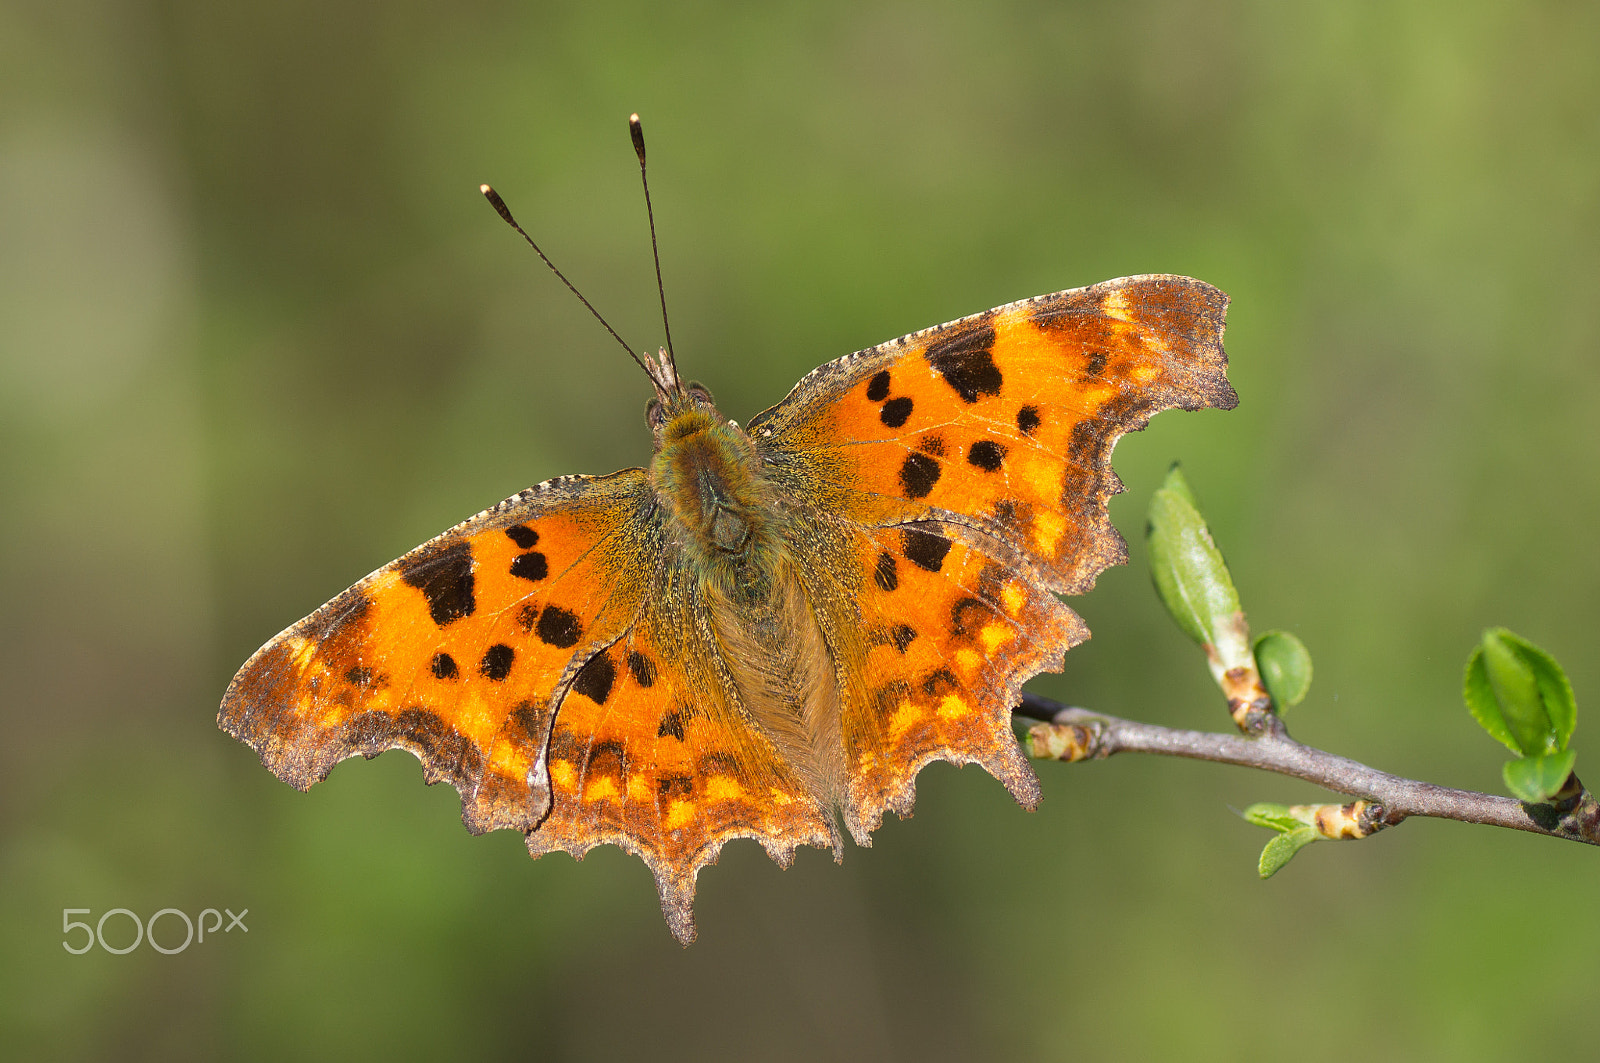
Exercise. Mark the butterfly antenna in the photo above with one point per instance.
(504, 211)
(636, 130)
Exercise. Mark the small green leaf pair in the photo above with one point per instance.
(1294, 834)
(1193, 582)
(1519, 694)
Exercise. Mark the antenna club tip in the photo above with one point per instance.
(486, 190)
(636, 131)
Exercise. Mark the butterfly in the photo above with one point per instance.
(771, 629)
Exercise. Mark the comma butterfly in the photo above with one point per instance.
(771, 628)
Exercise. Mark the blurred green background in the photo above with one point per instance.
(259, 334)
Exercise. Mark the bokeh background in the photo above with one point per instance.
(259, 334)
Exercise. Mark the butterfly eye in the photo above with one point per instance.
(654, 415)
(701, 394)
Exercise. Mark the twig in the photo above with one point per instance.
(1079, 734)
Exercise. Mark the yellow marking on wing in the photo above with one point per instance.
(638, 790)
(968, 661)
(1043, 478)
(1047, 529)
(563, 774)
(507, 759)
(953, 707)
(603, 787)
(994, 636)
(301, 650)
(903, 719)
(381, 584)
(1013, 597)
(679, 814)
(1143, 374)
(474, 716)
(780, 798)
(1115, 304)
(723, 788)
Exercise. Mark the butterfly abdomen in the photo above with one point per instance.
(728, 521)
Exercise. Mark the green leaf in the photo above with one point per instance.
(1519, 694)
(1281, 850)
(1189, 573)
(1516, 691)
(1538, 779)
(1479, 696)
(1285, 666)
(1274, 817)
(1554, 689)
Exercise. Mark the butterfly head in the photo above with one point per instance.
(678, 409)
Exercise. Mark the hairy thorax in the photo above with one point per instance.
(728, 520)
(708, 477)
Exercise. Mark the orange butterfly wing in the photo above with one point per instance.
(456, 650)
(971, 465)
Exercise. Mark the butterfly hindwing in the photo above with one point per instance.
(650, 752)
(953, 631)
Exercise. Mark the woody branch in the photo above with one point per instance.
(1073, 734)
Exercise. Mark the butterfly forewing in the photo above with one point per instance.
(456, 650)
(1009, 416)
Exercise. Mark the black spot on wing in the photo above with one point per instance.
(1027, 420)
(918, 474)
(643, 669)
(497, 660)
(939, 683)
(444, 576)
(557, 627)
(960, 623)
(884, 572)
(444, 666)
(878, 387)
(523, 536)
(594, 680)
(932, 444)
(675, 785)
(530, 566)
(528, 718)
(1096, 365)
(925, 549)
(903, 636)
(986, 454)
(966, 362)
(896, 412)
(606, 758)
(671, 724)
(359, 676)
